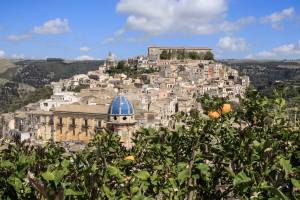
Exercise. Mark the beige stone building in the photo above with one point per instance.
(78, 123)
(154, 52)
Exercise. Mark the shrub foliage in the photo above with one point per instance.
(251, 152)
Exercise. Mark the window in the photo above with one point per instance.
(86, 123)
(60, 120)
(124, 118)
(98, 123)
(73, 122)
(115, 118)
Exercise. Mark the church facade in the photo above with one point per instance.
(79, 123)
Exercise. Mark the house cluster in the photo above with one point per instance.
(120, 103)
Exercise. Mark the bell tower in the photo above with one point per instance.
(121, 119)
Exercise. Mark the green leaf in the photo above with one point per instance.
(59, 175)
(143, 175)
(230, 172)
(65, 163)
(113, 171)
(15, 182)
(70, 192)
(204, 168)
(296, 183)
(108, 193)
(286, 165)
(7, 164)
(241, 178)
(181, 165)
(48, 176)
(158, 167)
(134, 189)
(183, 175)
(138, 197)
(276, 192)
(94, 167)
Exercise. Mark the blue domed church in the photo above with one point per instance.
(121, 119)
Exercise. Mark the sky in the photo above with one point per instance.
(89, 29)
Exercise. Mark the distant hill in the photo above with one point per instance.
(37, 73)
(268, 75)
(23, 82)
(6, 64)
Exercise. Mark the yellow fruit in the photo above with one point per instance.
(129, 158)
(214, 114)
(226, 108)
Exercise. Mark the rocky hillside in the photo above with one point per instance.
(37, 73)
(268, 75)
(23, 82)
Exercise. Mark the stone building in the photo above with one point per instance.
(154, 52)
(121, 119)
(78, 123)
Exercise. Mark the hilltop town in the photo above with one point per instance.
(170, 80)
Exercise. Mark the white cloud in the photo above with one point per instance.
(276, 18)
(114, 37)
(84, 48)
(283, 51)
(109, 40)
(235, 26)
(2, 53)
(54, 26)
(266, 54)
(119, 32)
(232, 44)
(157, 17)
(85, 57)
(18, 56)
(18, 37)
(249, 56)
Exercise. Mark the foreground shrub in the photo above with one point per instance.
(251, 151)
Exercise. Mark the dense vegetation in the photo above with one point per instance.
(38, 73)
(251, 152)
(12, 97)
(269, 75)
(181, 55)
(130, 71)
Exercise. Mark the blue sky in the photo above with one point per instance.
(78, 29)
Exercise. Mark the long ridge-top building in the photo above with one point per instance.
(154, 52)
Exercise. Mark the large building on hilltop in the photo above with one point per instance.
(154, 52)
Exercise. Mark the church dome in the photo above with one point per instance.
(121, 106)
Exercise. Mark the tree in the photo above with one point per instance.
(164, 55)
(209, 56)
(121, 65)
(181, 55)
(249, 153)
(193, 55)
